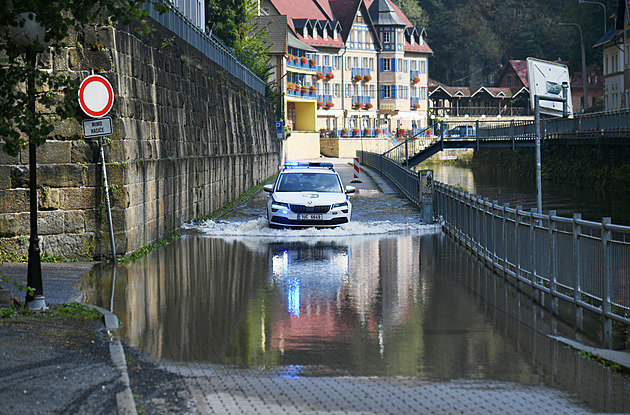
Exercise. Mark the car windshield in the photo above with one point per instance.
(309, 182)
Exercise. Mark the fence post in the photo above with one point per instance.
(606, 305)
(505, 238)
(494, 234)
(513, 134)
(532, 251)
(577, 271)
(517, 245)
(553, 277)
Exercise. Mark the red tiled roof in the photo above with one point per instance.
(320, 41)
(300, 9)
(424, 48)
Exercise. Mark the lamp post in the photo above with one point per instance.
(585, 108)
(31, 36)
(601, 4)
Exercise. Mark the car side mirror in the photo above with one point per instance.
(350, 189)
(268, 188)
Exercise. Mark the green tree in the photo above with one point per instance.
(224, 16)
(416, 15)
(32, 99)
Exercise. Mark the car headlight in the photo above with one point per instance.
(336, 205)
(279, 204)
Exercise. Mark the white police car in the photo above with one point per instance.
(308, 195)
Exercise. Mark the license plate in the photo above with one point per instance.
(310, 217)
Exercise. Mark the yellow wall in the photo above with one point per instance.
(306, 115)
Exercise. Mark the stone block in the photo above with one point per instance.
(48, 199)
(85, 152)
(52, 152)
(69, 128)
(50, 223)
(59, 175)
(8, 224)
(6, 298)
(74, 222)
(14, 200)
(79, 199)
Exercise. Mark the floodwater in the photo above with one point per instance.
(381, 296)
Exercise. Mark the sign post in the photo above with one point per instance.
(96, 98)
(279, 130)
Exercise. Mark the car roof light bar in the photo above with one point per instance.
(293, 164)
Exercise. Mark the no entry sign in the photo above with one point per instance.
(96, 96)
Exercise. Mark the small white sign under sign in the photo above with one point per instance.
(97, 128)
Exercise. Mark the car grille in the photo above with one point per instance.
(309, 209)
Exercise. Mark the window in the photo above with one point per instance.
(386, 91)
(371, 64)
(385, 65)
(265, 11)
(336, 90)
(386, 37)
(347, 90)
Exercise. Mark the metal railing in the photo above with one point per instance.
(209, 45)
(584, 263)
(418, 142)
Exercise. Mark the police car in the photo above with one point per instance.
(308, 195)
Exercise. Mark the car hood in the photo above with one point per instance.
(315, 199)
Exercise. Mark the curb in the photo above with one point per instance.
(124, 400)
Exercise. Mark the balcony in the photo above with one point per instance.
(364, 99)
(324, 98)
(324, 69)
(300, 94)
(297, 64)
(360, 71)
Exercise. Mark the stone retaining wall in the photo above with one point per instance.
(188, 139)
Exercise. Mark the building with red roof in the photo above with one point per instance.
(347, 65)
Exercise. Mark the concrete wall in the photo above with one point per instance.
(188, 139)
(347, 147)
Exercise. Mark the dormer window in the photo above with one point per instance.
(325, 33)
(314, 32)
(421, 42)
(412, 39)
(335, 34)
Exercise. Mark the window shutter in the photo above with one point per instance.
(393, 65)
(382, 64)
(394, 91)
(382, 91)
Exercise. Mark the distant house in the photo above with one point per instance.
(612, 62)
(344, 65)
(509, 99)
(594, 89)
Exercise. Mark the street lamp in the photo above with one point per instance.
(31, 36)
(585, 108)
(601, 4)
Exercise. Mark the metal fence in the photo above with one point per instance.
(208, 44)
(610, 124)
(584, 263)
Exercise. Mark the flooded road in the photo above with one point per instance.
(383, 296)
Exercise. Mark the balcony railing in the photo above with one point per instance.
(300, 94)
(297, 64)
(324, 98)
(478, 111)
(360, 71)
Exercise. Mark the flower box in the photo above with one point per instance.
(312, 89)
(367, 78)
(401, 131)
(369, 106)
(357, 78)
(415, 79)
(304, 60)
(415, 106)
(358, 105)
(355, 131)
(367, 131)
(312, 62)
(378, 131)
(290, 86)
(320, 76)
(329, 104)
(330, 75)
(320, 104)
(344, 131)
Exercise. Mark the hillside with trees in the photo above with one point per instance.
(472, 40)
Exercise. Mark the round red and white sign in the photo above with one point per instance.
(96, 96)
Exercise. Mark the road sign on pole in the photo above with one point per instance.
(97, 128)
(96, 96)
(279, 129)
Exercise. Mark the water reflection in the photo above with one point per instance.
(405, 304)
